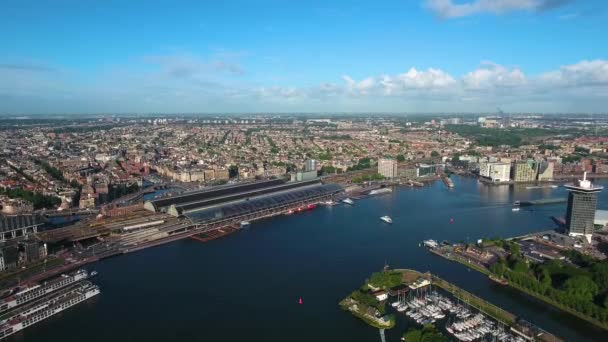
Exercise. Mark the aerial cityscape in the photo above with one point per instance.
(168, 174)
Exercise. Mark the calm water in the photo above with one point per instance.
(246, 286)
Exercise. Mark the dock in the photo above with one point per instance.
(214, 234)
(517, 325)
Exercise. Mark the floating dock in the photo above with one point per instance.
(214, 234)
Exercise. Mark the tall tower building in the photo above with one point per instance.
(387, 167)
(582, 202)
(311, 165)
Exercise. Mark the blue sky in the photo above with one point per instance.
(303, 56)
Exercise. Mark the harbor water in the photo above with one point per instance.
(247, 286)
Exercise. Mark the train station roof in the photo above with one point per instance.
(13, 222)
(206, 194)
(267, 201)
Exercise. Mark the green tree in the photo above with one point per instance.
(599, 273)
(545, 278)
(233, 171)
(401, 158)
(434, 154)
(427, 334)
(581, 288)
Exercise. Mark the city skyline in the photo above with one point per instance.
(406, 56)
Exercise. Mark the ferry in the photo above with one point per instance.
(348, 201)
(39, 311)
(386, 219)
(31, 293)
(515, 209)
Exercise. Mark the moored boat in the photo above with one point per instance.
(348, 201)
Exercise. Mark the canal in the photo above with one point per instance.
(246, 286)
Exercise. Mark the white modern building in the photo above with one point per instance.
(387, 167)
(496, 172)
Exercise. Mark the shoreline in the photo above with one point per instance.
(544, 299)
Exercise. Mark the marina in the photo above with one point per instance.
(428, 299)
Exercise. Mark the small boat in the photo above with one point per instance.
(93, 273)
(386, 219)
(515, 209)
(498, 280)
(245, 224)
(348, 201)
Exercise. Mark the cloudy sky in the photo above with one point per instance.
(117, 56)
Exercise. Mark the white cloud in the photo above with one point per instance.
(362, 87)
(583, 73)
(174, 87)
(278, 93)
(451, 9)
(492, 75)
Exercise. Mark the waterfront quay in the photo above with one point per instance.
(427, 299)
(201, 214)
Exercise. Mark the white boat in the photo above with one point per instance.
(348, 201)
(386, 219)
(515, 209)
(245, 223)
(380, 191)
(430, 243)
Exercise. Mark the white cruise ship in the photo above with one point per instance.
(36, 312)
(37, 291)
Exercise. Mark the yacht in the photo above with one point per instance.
(348, 201)
(386, 219)
(245, 224)
(515, 209)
